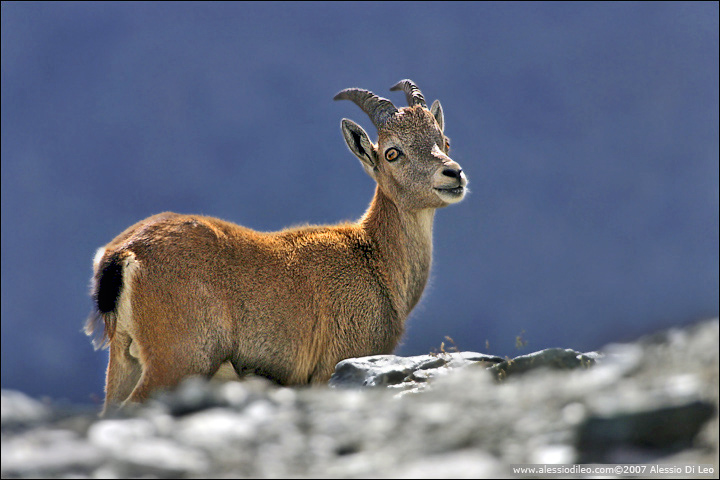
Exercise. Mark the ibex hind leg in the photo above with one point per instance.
(123, 372)
(170, 367)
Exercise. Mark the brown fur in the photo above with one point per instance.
(197, 292)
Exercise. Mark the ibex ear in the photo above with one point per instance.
(359, 144)
(436, 110)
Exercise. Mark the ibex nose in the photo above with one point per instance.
(452, 172)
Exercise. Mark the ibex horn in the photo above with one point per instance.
(412, 92)
(377, 108)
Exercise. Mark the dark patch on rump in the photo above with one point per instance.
(109, 283)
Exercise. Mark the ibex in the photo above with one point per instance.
(182, 295)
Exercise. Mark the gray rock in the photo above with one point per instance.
(555, 358)
(659, 429)
(445, 415)
(391, 370)
(46, 452)
(18, 408)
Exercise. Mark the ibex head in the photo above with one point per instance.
(410, 162)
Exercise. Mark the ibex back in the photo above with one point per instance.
(182, 295)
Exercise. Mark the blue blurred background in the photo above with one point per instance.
(589, 133)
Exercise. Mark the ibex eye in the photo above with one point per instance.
(391, 154)
(447, 144)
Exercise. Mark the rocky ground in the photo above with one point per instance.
(450, 415)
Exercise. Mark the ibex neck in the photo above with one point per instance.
(404, 242)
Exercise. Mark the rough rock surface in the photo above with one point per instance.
(449, 415)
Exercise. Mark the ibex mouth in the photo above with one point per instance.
(452, 190)
(451, 194)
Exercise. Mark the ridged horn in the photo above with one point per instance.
(377, 108)
(412, 93)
